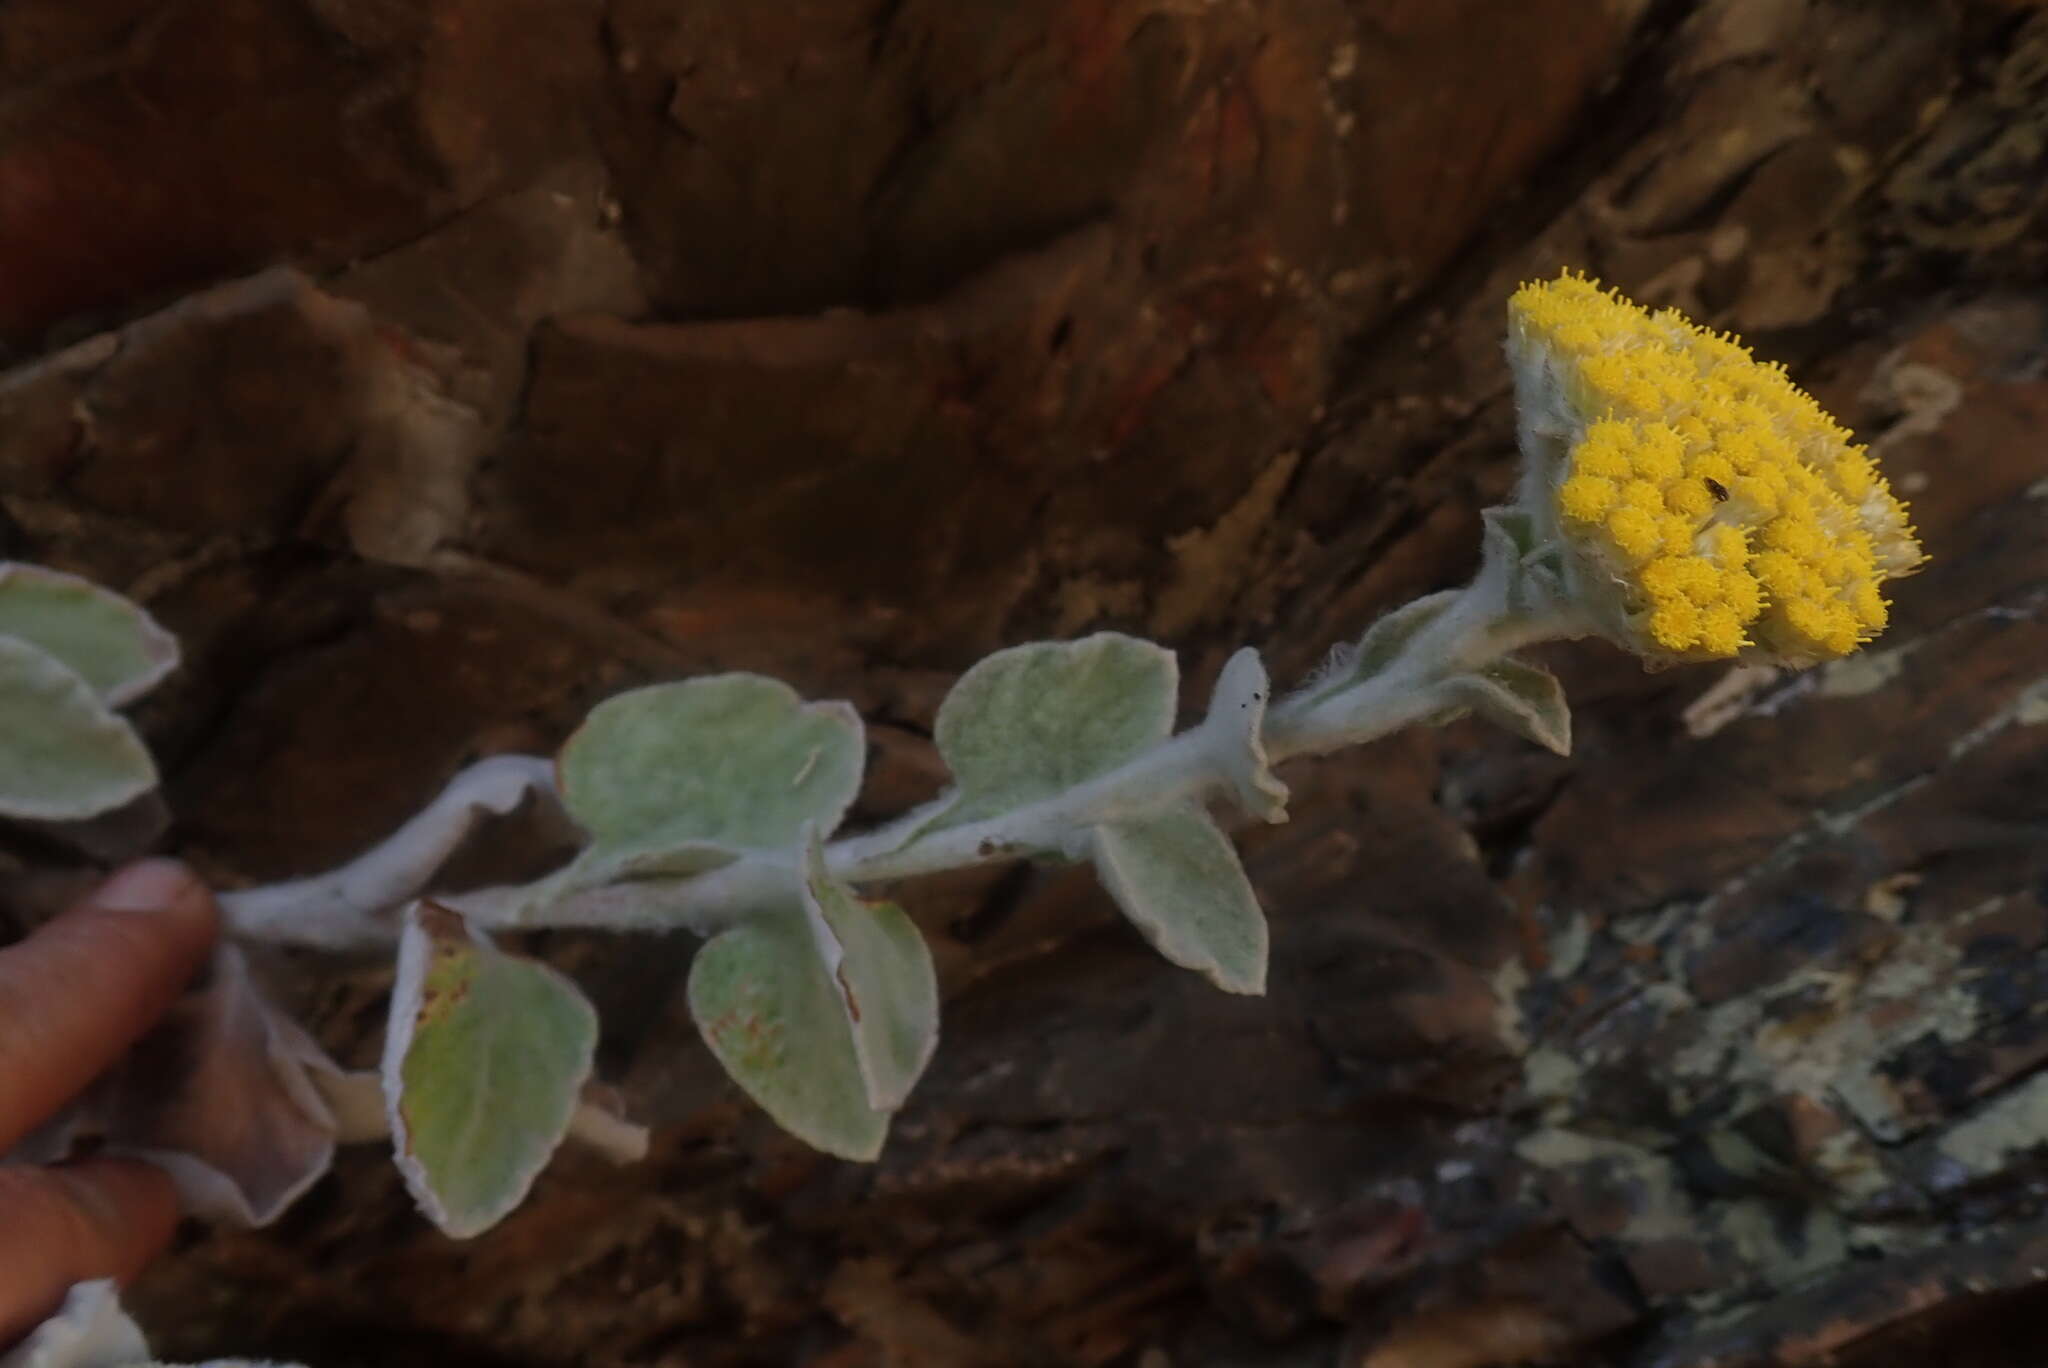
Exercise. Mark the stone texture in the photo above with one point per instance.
(436, 369)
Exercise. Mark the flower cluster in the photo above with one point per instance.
(1710, 507)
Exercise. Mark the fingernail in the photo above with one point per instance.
(150, 886)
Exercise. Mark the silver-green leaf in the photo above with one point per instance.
(1517, 574)
(773, 1015)
(64, 754)
(1387, 638)
(630, 890)
(1525, 699)
(111, 643)
(483, 1062)
(90, 1330)
(735, 761)
(1176, 876)
(1033, 721)
(1236, 727)
(886, 981)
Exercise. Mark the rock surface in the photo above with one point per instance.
(437, 367)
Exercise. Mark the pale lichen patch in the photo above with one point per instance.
(2013, 1124)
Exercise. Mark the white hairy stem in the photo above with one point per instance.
(353, 906)
(1470, 632)
(356, 1101)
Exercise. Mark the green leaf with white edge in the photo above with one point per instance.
(1176, 876)
(483, 1062)
(112, 644)
(1033, 721)
(1511, 528)
(883, 969)
(1525, 699)
(1387, 638)
(735, 761)
(1516, 574)
(626, 891)
(64, 754)
(772, 1014)
(1236, 727)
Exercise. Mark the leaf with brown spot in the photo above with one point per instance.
(484, 1060)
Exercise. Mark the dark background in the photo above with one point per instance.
(437, 367)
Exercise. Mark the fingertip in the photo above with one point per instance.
(97, 1218)
(157, 885)
(130, 1208)
(165, 890)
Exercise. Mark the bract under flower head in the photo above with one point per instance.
(1707, 505)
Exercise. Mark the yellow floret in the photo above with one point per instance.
(1587, 498)
(1853, 475)
(1604, 451)
(1869, 606)
(1843, 631)
(1721, 631)
(1660, 453)
(1797, 537)
(1634, 532)
(1675, 624)
(1676, 535)
(1743, 594)
(1757, 491)
(1712, 465)
(1807, 618)
(1701, 581)
(1644, 494)
(1690, 499)
(1727, 545)
(1713, 504)
(1661, 577)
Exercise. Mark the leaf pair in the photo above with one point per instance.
(70, 653)
(673, 780)
(824, 1008)
(1034, 722)
(826, 1014)
(1517, 579)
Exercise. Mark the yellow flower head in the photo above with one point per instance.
(1707, 505)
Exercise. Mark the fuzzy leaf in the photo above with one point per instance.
(735, 761)
(89, 1331)
(224, 1095)
(1176, 876)
(883, 970)
(1515, 573)
(773, 1016)
(483, 1062)
(1509, 532)
(1384, 641)
(64, 754)
(1033, 721)
(632, 890)
(109, 642)
(1236, 725)
(1525, 699)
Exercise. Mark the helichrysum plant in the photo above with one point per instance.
(1677, 497)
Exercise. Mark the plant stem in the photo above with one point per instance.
(350, 906)
(1470, 632)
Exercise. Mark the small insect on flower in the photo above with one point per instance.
(1707, 506)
